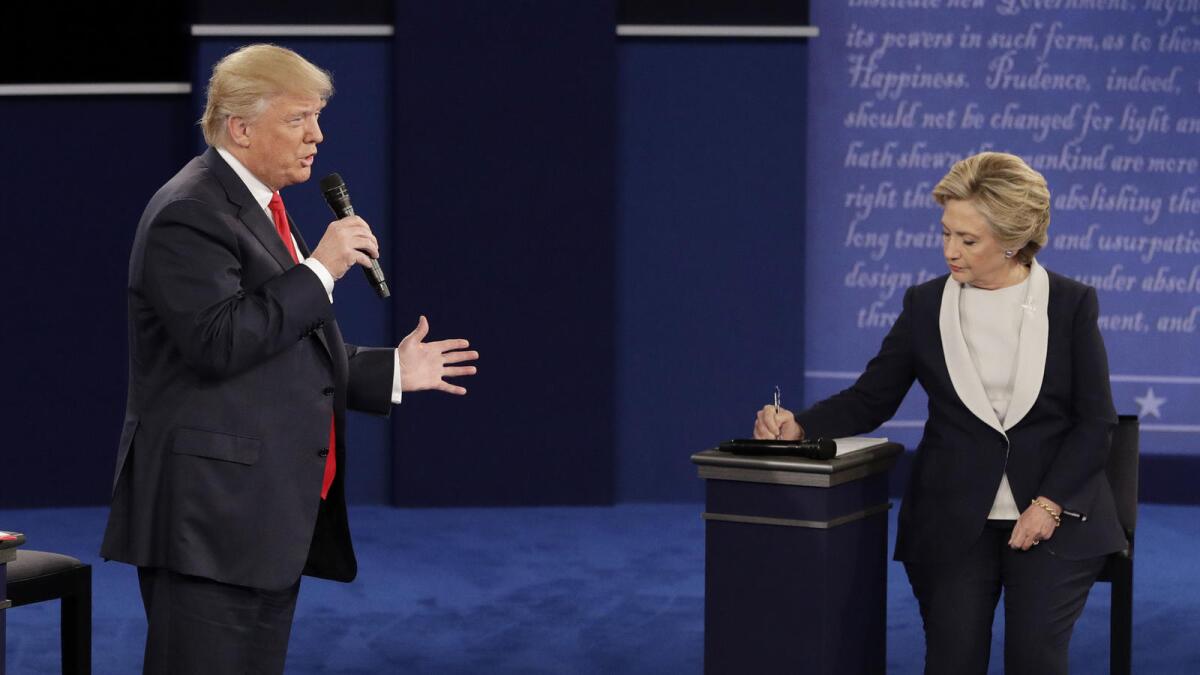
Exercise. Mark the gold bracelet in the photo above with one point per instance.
(1056, 516)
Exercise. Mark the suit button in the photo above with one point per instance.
(328, 391)
(323, 452)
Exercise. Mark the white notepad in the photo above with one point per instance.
(855, 443)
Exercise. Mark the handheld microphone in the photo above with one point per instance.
(338, 198)
(812, 448)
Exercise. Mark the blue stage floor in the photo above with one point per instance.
(560, 590)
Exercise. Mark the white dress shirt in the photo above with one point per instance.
(991, 325)
(262, 194)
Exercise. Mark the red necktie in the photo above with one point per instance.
(330, 461)
(279, 215)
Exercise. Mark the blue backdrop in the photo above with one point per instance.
(1103, 102)
(70, 200)
(710, 264)
(638, 234)
(504, 195)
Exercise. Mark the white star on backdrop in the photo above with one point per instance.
(1150, 404)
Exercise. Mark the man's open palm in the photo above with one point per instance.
(425, 365)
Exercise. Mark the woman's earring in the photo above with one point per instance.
(1009, 254)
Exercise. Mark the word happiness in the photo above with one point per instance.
(1006, 70)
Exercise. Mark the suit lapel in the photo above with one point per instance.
(249, 212)
(1031, 348)
(963, 374)
(264, 230)
(257, 221)
(304, 251)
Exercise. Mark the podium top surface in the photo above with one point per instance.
(884, 452)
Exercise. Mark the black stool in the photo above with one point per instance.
(1122, 471)
(37, 576)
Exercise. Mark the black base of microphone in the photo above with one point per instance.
(375, 278)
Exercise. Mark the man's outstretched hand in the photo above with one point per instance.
(425, 365)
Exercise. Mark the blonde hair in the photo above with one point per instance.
(244, 81)
(1011, 196)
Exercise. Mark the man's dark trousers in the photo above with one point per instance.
(201, 626)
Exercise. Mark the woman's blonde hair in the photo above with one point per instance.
(243, 82)
(1011, 196)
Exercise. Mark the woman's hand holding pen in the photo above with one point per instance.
(777, 423)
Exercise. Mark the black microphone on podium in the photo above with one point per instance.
(338, 198)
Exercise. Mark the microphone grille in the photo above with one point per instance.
(332, 182)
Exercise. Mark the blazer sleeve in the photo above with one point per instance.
(878, 392)
(371, 371)
(193, 280)
(1085, 450)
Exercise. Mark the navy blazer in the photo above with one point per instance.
(1054, 440)
(236, 365)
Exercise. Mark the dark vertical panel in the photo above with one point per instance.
(76, 175)
(504, 193)
(357, 127)
(711, 250)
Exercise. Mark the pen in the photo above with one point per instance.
(776, 405)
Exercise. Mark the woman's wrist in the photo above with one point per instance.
(1049, 507)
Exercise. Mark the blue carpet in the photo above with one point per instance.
(559, 590)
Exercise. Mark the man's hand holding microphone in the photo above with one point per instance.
(347, 242)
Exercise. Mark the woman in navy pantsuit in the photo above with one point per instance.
(1007, 490)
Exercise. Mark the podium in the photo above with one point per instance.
(9, 541)
(796, 562)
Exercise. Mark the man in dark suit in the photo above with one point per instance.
(231, 465)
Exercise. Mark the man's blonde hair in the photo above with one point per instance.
(243, 82)
(1011, 196)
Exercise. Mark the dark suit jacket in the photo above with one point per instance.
(236, 364)
(1054, 439)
